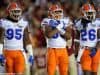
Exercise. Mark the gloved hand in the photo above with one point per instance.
(60, 27)
(30, 54)
(93, 52)
(2, 60)
(31, 59)
(54, 23)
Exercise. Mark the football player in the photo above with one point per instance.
(57, 31)
(13, 30)
(88, 28)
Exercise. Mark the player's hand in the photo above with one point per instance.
(61, 29)
(93, 52)
(2, 59)
(60, 26)
(30, 54)
(31, 59)
(54, 23)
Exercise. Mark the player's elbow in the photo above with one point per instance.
(48, 35)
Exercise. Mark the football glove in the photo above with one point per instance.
(2, 60)
(93, 52)
(30, 54)
(54, 23)
(57, 24)
(61, 29)
(31, 59)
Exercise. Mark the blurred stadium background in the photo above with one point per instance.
(35, 11)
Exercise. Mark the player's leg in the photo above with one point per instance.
(19, 63)
(95, 63)
(98, 73)
(86, 62)
(72, 65)
(51, 61)
(79, 69)
(9, 61)
(63, 62)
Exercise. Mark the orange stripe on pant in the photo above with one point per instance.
(15, 62)
(57, 56)
(90, 63)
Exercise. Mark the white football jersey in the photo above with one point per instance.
(56, 41)
(14, 32)
(88, 35)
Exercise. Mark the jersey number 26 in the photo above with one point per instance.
(88, 35)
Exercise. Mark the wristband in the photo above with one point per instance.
(75, 40)
(1, 48)
(29, 49)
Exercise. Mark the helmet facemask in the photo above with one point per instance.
(57, 14)
(88, 12)
(90, 15)
(15, 14)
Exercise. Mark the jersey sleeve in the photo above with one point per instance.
(98, 22)
(78, 25)
(1, 23)
(44, 23)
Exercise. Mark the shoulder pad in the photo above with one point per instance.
(97, 18)
(2, 22)
(67, 21)
(78, 22)
(97, 22)
(23, 22)
(45, 21)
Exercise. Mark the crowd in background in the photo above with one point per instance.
(36, 10)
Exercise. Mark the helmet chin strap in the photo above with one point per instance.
(56, 17)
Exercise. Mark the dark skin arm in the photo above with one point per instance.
(98, 36)
(68, 33)
(26, 38)
(2, 32)
(77, 44)
(50, 32)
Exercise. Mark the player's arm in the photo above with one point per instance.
(76, 41)
(98, 36)
(1, 39)
(68, 28)
(52, 27)
(68, 32)
(78, 51)
(1, 45)
(28, 45)
(50, 32)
